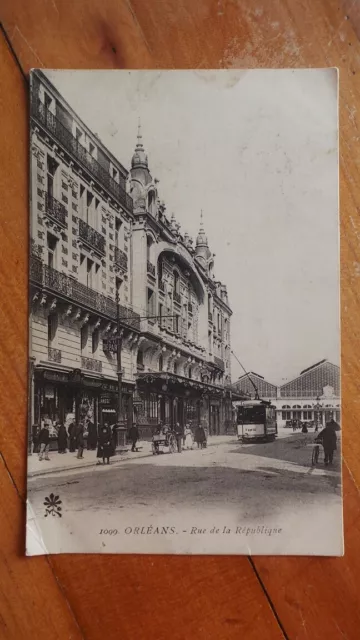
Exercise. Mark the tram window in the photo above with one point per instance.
(252, 415)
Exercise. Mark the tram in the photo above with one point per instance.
(256, 421)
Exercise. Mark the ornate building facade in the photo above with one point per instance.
(314, 395)
(97, 231)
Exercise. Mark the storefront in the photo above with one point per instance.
(171, 399)
(65, 397)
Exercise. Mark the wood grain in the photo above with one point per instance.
(152, 597)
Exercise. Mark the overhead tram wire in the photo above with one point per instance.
(257, 397)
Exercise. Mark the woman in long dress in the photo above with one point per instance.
(188, 443)
(105, 444)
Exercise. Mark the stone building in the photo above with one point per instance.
(98, 230)
(81, 221)
(183, 357)
(314, 395)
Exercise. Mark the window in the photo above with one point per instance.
(176, 282)
(151, 202)
(92, 149)
(52, 328)
(118, 225)
(84, 337)
(89, 273)
(149, 249)
(95, 340)
(47, 101)
(286, 413)
(175, 367)
(140, 360)
(118, 285)
(297, 412)
(78, 134)
(52, 166)
(89, 201)
(150, 302)
(51, 247)
(161, 363)
(161, 313)
(176, 323)
(190, 372)
(115, 174)
(210, 342)
(160, 272)
(307, 412)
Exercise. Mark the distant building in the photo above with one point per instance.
(313, 395)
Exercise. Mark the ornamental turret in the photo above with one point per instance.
(202, 251)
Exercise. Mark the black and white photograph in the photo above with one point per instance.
(184, 313)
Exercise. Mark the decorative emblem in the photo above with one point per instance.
(52, 506)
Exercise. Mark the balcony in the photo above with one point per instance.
(91, 365)
(54, 355)
(177, 297)
(71, 144)
(151, 268)
(219, 363)
(91, 236)
(76, 292)
(55, 209)
(121, 259)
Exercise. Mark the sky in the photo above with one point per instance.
(257, 152)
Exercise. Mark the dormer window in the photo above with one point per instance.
(114, 173)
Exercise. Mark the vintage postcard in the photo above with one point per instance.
(184, 380)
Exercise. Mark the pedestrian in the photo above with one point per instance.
(80, 440)
(304, 429)
(200, 436)
(316, 427)
(188, 437)
(92, 436)
(105, 444)
(72, 436)
(44, 442)
(179, 435)
(133, 436)
(34, 438)
(328, 438)
(62, 439)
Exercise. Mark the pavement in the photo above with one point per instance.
(69, 462)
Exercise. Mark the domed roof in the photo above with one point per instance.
(201, 240)
(139, 158)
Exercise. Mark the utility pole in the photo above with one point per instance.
(118, 354)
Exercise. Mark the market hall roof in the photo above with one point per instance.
(314, 381)
(265, 389)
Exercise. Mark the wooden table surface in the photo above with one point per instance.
(130, 597)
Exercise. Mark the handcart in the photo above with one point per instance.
(163, 443)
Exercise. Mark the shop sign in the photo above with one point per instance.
(92, 383)
(108, 386)
(57, 376)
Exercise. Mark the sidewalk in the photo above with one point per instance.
(68, 461)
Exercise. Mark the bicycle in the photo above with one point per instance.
(315, 453)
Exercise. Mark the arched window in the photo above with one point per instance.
(151, 202)
(190, 372)
(140, 361)
(175, 367)
(307, 412)
(297, 412)
(149, 249)
(286, 413)
(161, 363)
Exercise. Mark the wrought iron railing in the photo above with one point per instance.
(55, 209)
(74, 291)
(54, 354)
(91, 236)
(151, 268)
(121, 258)
(177, 297)
(91, 364)
(219, 363)
(65, 137)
